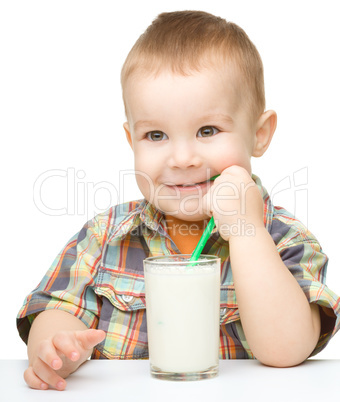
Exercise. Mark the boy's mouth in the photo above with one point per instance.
(191, 186)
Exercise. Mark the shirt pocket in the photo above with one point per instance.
(125, 291)
(228, 305)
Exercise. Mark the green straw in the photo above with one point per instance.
(205, 236)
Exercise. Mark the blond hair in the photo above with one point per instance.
(186, 41)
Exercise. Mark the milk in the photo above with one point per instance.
(182, 306)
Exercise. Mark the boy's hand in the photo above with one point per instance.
(235, 202)
(60, 355)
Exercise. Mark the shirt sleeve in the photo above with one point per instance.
(69, 283)
(303, 256)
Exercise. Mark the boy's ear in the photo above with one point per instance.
(128, 133)
(265, 130)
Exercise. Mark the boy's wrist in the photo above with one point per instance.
(241, 228)
(246, 232)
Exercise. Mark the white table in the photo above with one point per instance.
(127, 380)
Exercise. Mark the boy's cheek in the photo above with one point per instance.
(232, 157)
(145, 184)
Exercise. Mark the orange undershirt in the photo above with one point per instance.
(184, 234)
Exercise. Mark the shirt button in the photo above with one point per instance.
(223, 311)
(127, 298)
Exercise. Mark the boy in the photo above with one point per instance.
(194, 100)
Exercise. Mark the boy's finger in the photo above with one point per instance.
(90, 338)
(48, 375)
(207, 204)
(48, 354)
(66, 344)
(33, 381)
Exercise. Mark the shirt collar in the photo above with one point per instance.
(152, 217)
(143, 212)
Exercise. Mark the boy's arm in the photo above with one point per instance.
(280, 325)
(58, 344)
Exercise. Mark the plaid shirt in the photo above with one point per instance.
(98, 277)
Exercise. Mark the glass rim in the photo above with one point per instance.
(203, 258)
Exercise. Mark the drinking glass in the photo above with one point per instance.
(182, 307)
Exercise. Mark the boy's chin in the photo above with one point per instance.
(197, 217)
(190, 211)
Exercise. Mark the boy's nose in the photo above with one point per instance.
(183, 156)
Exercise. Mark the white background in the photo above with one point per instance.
(61, 119)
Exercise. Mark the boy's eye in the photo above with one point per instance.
(207, 131)
(156, 136)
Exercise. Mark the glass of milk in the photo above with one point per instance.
(182, 307)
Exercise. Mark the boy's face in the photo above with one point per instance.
(184, 130)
